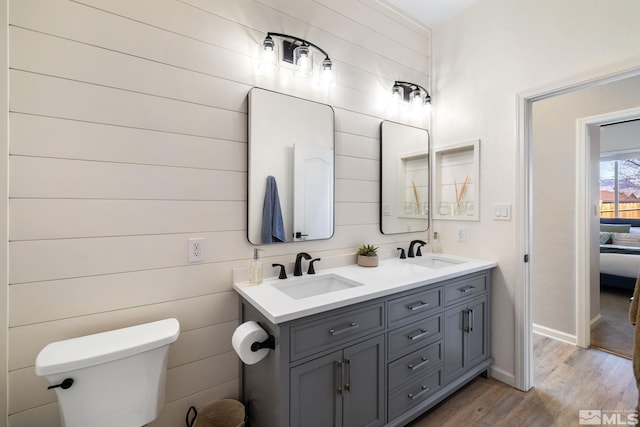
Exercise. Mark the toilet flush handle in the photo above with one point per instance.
(65, 384)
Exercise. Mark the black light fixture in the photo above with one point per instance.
(412, 93)
(298, 52)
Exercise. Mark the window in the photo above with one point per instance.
(620, 188)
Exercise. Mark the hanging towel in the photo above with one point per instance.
(634, 318)
(272, 226)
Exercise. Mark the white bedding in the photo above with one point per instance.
(625, 265)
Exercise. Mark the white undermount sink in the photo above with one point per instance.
(433, 261)
(309, 286)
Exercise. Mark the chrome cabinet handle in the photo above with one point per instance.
(424, 389)
(420, 364)
(347, 386)
(466, 289)
(341, 388)
(418, 306)
(351, 327)
(467, 320)
(422, 333)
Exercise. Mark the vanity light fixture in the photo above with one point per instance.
(298, 52)
(413, 94)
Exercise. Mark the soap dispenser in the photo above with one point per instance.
(255, 268)
(436, 247)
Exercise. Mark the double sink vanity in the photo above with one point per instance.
(361, 346)
(356, 346)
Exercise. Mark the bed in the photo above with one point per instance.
(619, 255)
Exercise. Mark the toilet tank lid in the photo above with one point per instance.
(91, 350)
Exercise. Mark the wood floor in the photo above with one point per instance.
(566, 379)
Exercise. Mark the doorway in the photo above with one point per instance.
(581, 215)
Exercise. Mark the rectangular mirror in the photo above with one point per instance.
(404, 178)
(291, 169)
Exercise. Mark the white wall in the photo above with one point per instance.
(128, 136)
(482, 58)
(554, 211)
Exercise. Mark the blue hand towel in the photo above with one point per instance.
(272, 226)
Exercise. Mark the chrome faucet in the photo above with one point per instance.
(410, 254)
(297, 269)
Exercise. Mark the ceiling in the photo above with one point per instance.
(431, 12)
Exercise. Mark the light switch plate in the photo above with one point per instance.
(502, 211)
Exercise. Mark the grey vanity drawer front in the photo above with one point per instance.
(414, 336)
(310, 338)
(414, 365)
(414, 306)
(414, 393)
(464, 288)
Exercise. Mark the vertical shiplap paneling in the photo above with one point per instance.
(4, 208)
(128, 136)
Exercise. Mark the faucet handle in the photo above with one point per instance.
(283, 273)
(419, 252)
(402, 255)
(312, 270)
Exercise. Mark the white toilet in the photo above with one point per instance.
(114, 378)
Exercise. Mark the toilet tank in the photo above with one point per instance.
(118, 376)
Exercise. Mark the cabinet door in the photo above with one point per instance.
(465, 337)
(477, 341)
(454, 342)
(316, 392)
(364, 382)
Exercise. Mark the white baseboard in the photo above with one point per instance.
(555, 334)
(503, 376)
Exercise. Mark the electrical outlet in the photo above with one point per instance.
(462, 234)
(196, 249)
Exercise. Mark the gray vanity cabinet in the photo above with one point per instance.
(466, 320)
(466, 337)
(343, 388)
(377, 363)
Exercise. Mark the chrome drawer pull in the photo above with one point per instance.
(351, 327)
(423, 362)
(422, 333)
(424, 390)
(467, 289)
(418, 306)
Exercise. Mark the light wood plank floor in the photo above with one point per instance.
(567, 379)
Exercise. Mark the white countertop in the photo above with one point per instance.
(391, 276)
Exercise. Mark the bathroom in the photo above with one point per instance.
(127, 126)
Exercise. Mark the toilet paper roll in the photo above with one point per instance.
(245, 335)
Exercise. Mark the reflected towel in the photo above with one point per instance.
(272, 226)
(634, 318)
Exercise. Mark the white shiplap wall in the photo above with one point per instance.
(128, 136)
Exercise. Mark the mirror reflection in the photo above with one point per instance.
(404, 180)
(291, 169)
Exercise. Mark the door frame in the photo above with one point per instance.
(523, 339)
(584, 208)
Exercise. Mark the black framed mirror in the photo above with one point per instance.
(290, 169)
(404, 178)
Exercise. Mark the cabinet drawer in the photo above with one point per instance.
(413, 393)
(464, 288)
(313, 337)
(414, 365)
(414, 336)
(414, 306)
